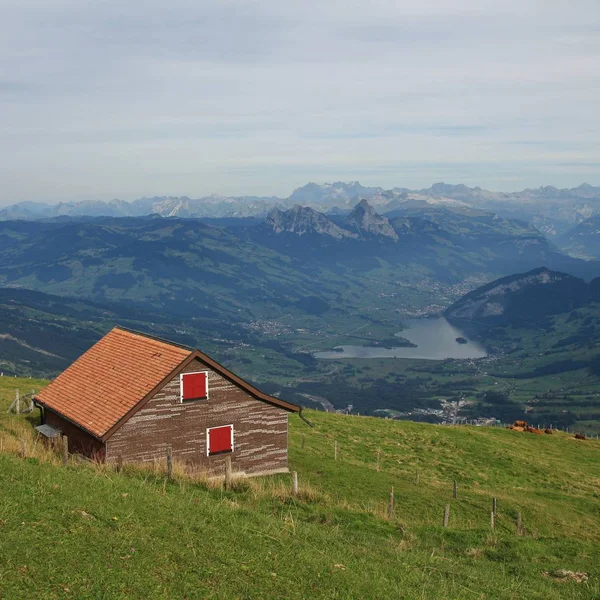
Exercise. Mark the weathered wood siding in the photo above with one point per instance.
(260, 429)
(80, 442)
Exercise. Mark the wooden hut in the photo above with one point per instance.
(132, 396)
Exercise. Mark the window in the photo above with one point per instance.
(194, 386)
(219, 440)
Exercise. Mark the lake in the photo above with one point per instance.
(435, 340)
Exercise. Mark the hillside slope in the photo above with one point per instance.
(41, 334)
(523, 297)
(583, 240)
(70, 533)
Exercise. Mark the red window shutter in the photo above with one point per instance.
(219, 439)
(195, 386)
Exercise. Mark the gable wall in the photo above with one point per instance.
(260, 429)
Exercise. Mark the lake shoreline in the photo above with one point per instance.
(424, 339)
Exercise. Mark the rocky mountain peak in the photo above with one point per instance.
(303, 220)
(364, 220)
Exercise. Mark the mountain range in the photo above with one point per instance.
(551, 210)
(296, 260)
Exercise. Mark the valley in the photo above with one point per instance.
(348, 307)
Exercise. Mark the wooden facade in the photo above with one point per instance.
(259, 429)
(80, 441)
(142, 430)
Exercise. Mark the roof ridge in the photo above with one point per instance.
(155, 338)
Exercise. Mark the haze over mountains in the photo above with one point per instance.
(553, 211)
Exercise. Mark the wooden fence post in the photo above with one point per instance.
(391, 504)
(169, 463)
(295, 483)
(335, 450)
(454, 489)
(492, 519)
(65, 450)
(446, 515)
(519, 523)
(378, 459)
(23, 448)
(228, 474)
(303, 440)
(15, 405)
(119, 462)
(494, 505)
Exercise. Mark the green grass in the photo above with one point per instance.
(87, 532)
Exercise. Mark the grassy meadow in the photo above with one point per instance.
(84, 531)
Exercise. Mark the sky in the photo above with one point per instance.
(103, 99)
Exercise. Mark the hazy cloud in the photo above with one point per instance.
(104, 99)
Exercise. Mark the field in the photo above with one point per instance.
(84, 531)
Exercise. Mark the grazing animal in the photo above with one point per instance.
(520, 424)
(534, 430)
(580, 436)
(548, 431)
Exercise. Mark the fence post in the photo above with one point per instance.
(446, 515)
(169, 463)
(417, 476)
(391, 504)
(23, 448)
(519, 523)
(335, 450)
(17, 402)
(492, 519)
(295, 483)
(378, 459)
(303, 440)
(119, 462)
(494, 505)
(65, 450)
(454, 489)
(228, 474)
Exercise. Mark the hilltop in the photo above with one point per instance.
(524, 297)
(84, 531)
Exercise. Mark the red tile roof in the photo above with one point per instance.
(113, 377)
(106, 382)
